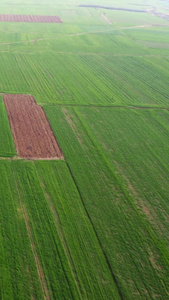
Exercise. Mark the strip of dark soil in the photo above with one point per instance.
(160, 15)
(30, 19)
(113, 8)
(31, 130)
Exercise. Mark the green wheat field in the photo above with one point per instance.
(94, 225)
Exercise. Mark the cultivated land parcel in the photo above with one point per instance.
(94, 224)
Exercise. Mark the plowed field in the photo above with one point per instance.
(30, 18)
(31, 130)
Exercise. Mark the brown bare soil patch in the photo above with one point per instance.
(31, 130)
(30, 19)
(153, 262)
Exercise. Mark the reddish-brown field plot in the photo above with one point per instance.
(30, 18)
(31, 130)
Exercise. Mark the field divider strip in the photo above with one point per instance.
(81, 53)
(105, 106)
(84, 33)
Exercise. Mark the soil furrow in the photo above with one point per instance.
(30, 18)
(31, 130)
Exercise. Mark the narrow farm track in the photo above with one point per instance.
(109, 106)
(112, 54)
(93, 53)
(102, 106)
(106, 19)
(79, 33)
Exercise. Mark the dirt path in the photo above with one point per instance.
(80, 33)
(138, 26)
(91, 53)
(106, 18)
(70, 122)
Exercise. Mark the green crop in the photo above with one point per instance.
(95, 224)
(117, 172)
(7, 148)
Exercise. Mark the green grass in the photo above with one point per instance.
(49, 214)
(28, 238)
(84, 252)
(125, 18)
(49, 249)
(18, 273)
(135, 247)
(95, 225)
(95, 80)
(85, 64)
(138, 148)
(7, 148)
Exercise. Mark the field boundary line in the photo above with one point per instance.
(100, 243)
(102, 54)
(20, 52)
(106, 18)
(112, 8)
(105, 106)
(81, 33)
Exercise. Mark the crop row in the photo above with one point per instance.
(49, 248)
(96, 80)
(135, 248)
(18, 275)
(80, 70)
(89, 266)
(33, 262)
(54, 271)
(7, 148)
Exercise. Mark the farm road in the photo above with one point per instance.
(78, 33)
(108, 106)
(106, 18)
(90, 53)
